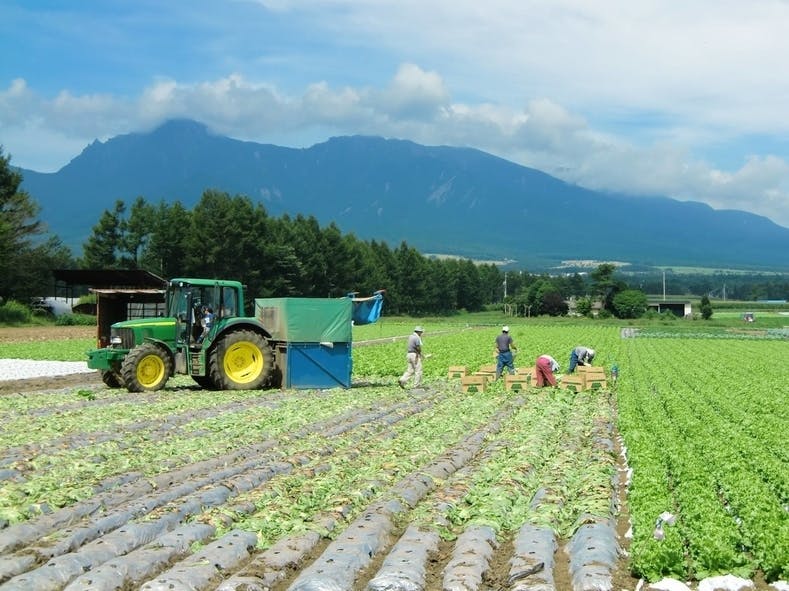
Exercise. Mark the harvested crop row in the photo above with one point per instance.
(293, 483)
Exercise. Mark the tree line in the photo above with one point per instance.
(232, 237)
(229, 236)
(226, 236)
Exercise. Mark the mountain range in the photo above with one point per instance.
(443, 200)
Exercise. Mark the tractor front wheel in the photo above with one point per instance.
(146, 368)
(241, 360)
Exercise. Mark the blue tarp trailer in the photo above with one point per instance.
(317, 365)
(313, 336)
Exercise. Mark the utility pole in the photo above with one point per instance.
(664, 285)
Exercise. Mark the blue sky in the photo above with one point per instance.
(688, 99)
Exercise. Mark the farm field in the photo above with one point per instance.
(379, 488)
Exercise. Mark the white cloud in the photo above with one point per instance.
(543, 135)
(631, 97)
(413, 94)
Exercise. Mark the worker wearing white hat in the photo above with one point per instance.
(580, 356)
(413, 359)
(504, 349)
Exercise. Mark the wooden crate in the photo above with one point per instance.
(596, 381)
(474, 383)
(457, 371)
(530, 372)
(487, 369)
(587, 369)
(576, 383)
(595, 378)
(517, 382)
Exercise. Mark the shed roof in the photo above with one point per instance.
(110, 278)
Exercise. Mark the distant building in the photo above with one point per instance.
(681, 308)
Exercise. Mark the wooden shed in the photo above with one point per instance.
(121, 294)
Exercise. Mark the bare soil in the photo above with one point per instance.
(27, 334)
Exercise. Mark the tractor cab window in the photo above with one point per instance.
(178, 303)
(181, 310)
(229, 303)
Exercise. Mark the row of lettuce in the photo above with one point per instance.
(704, 425)
(702, 421)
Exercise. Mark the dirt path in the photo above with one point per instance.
(78, 380)
(27, 334)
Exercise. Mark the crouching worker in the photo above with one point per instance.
(545, 366)
(580, 356)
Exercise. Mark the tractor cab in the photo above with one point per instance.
(192, 303)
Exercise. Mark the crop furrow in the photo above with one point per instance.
(352, 551)
(66, 477)
(153, 505)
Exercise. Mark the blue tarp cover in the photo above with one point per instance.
(367, 310)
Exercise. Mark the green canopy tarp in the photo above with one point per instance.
(306, 320)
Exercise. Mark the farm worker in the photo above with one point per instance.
(544, 368)
(580, 356)
(413, 359)
(504, 348)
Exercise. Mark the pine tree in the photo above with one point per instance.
(706, 308)
(19, 227)
(106, 242)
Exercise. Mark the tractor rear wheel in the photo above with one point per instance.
(146, 368)
(241, 360)
(111, 378)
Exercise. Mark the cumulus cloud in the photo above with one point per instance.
(414, 104)
(413, 94)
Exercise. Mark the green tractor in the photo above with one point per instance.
(234, 352)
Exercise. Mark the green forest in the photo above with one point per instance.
(232, 237)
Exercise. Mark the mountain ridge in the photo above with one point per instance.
(440, 199)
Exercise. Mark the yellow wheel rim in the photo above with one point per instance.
(243, 362)
(150, 371)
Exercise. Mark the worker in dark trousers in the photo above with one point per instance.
(580, 356)
(504, 349)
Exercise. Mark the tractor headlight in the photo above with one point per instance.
(116, 340)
